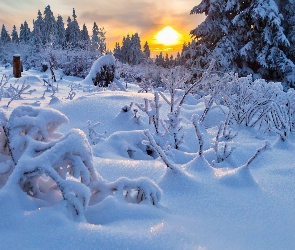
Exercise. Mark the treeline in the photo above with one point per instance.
(52, 43)
(48, 29)
(132, 53)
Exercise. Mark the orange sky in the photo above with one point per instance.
(118, 17)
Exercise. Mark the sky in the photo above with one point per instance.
(118, 17)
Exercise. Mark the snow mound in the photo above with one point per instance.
(125, 144)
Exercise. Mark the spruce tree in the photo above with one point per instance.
(98, 38)
(61, 32)
(246, 36)
(74, 31)
(136, 54)
(5, 38)
(213, 40)
(24, 33)
(146, 50)
(264, 48)
(287, 8)
(117, 52)
(166, 61)
(160, 61)
(84, 34)
(37, 35)
(171, 61)
(14, 35)
(68, 30)
(125, 49)
(49, 28)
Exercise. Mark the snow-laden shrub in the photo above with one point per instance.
(50, 166)
(102, 72)
(259, 104)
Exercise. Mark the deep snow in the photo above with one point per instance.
(201, 208)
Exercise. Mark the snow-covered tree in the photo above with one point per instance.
(37, 35)
(14, 35)
(24, 33)
(160, 61)
(212, 35)
(125, 49)
(136, 55)
(98, 38)
(146, 50)
(130, 52)
(85, 39)
(287, 8)
(263, 47)
(243, 36)
(5, 38)
(117, 52)
(69, 20)
(49, 28)
(73, 33)
(60, 32)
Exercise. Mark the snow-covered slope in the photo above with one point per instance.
(230, 206)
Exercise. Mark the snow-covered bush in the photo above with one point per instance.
(94, 136)
(152, 109)
(15, 92)
(53, 167)
(102, 72)
(260, 104)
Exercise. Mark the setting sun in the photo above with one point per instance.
(168, 36)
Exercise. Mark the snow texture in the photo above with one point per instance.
(124, 191)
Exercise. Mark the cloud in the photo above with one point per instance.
(125, 15)
(118, 17)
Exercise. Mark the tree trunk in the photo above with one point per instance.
(16, 66)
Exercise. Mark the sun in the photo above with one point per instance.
(168, 36)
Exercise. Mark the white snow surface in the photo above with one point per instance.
(201, 208)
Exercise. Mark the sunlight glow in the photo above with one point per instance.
(168, 36)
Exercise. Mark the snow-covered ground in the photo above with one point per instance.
(201, 208)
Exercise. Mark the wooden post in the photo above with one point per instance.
(16, 66)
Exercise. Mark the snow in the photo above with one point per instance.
(230, 206)
(97, 67)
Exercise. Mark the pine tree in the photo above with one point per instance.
(287, 8)
(117, 52)
(125, 49)
(171, 61)
(37, 35)
(244, 36)
(265, 52)
(130, 52)
(160, 61)
(146, 50)
(178, 59)
(14, 35)
(61, 32)
(24, 33)
(49, 28)
(98, 38)
(84, 35)
(5, 38)
(136, 54)
(167, 61)
(68, 30)
(212, 36)
(74, 31)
